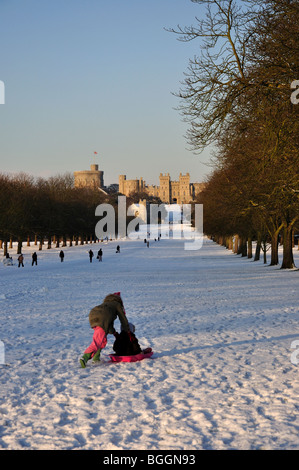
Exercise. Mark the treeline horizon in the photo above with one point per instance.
(238, 96)
(36, 209)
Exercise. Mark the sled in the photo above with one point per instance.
(7, 262)
(148, 352)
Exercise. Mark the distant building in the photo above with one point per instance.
(89, 178)
(169, 192)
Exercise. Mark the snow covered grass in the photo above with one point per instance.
(221, 328)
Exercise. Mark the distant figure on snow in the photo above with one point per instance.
(61, 255)
(118, 249)
(100, 254)
(7, 261)
(21, 260)
(90, 255)
(34, 258)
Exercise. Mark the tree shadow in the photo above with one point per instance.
(179, 351)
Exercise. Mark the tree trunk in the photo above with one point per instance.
(274, 249)
(236, 244)
(258, 247)
(264, 247)
(19, 250)
(242, 247)
(288, 259)
(249, 254)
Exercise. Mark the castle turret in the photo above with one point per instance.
(165, 188)
(91, 178)
(185, 188)
(121, 182)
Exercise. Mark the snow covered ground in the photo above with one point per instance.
(222, 329)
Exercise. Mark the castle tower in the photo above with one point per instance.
(185, 192)
(90, 178)
(122, 183)
(165, 188)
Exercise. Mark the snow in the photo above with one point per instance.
(222, 329)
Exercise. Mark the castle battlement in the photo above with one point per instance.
(168, 191)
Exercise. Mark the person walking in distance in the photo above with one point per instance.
(34, 258)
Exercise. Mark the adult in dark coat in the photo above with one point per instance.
(34, 258)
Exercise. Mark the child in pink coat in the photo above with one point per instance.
(101, 319)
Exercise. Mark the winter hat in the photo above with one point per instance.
(113, 298)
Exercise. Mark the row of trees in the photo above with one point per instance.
(52, 209)
(237, 96)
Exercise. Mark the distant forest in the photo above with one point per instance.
(52, 210)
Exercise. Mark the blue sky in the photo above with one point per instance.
(95, 75)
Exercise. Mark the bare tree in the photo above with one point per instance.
(237, 95)
(217, 77)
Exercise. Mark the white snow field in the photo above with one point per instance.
(224, 331)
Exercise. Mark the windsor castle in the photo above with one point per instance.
(169, 192)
